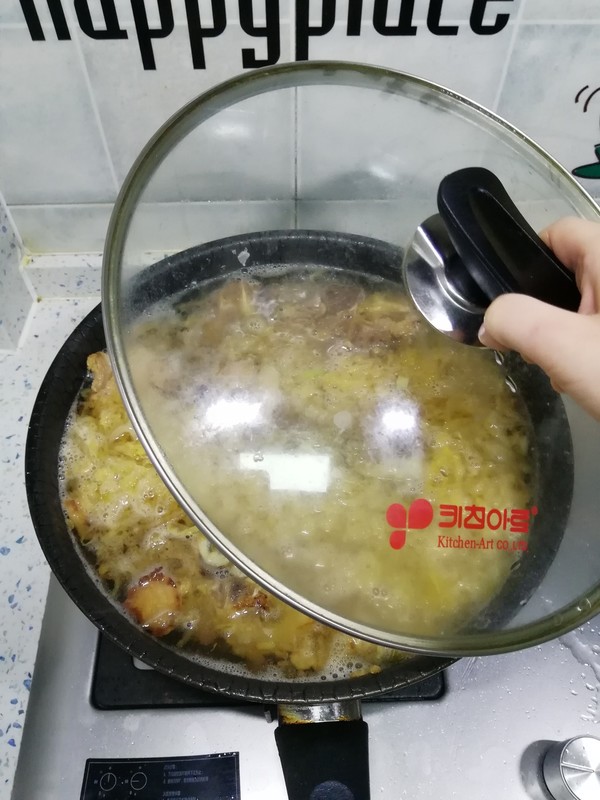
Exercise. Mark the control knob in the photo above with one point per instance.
(572, 769)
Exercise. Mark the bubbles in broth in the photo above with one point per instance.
(296, 408)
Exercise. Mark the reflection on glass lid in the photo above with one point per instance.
(339, 454)
(299, 409)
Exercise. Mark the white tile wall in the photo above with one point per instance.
(393, 221)
(133, 103)
(51, 149)
(11, 13)
(74, 114)
(244, 153)
(448, 61)
(571, 11)
(549, 66)
(71, 228)
(378, 145)
(172, 227)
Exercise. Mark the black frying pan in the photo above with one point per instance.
(69, 562)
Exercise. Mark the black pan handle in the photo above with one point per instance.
(498, 248)
(325, 760)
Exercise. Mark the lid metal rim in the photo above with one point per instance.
(254, 83)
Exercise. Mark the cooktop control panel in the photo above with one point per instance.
(194, 777)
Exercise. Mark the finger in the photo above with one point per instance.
(564, 344)
(571, 239)
(576, 242)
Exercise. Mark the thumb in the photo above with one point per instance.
(564, 344)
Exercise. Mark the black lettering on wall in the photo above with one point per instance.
(145, 33)
(404, 26)
(270, 31)
(304, 30)
(198, 32)
(111, 29)
(33, 20)
(355, 8)
(434, 14)
(58, 19)
(386, 22)
(35, 26)
(478, 13)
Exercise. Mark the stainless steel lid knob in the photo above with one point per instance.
(478, 247)
(572, 769)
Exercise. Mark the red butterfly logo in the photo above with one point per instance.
(418, 517)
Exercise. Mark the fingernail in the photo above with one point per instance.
(481, 334)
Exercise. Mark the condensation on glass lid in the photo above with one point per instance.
(298, 409)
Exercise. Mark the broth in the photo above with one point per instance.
(297, 409)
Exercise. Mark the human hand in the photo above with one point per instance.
(565, 344)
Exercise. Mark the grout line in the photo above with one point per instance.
(92, 95)
(296, 135)
(291, 58)
(561, 22)
(508, 58)
(83, 204)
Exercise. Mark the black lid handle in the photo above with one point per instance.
(498, 248)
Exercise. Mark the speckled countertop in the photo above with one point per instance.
(568, 670)
(23, 571)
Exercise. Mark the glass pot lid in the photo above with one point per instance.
(385, 480)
